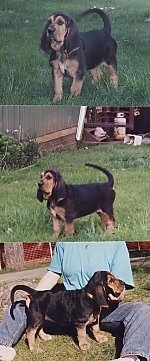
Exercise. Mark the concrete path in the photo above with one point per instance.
(26, 274)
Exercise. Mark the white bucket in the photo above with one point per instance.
(119, 132)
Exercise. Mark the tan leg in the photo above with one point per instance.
(44, 336)
(58, 81)
(72, 67)
(110, 227)
(96, 74)
(107, 223)
(31, 338)
(69, 228)
(113, 77)
(56, 226)
(98, 335)
(81, 336)
(76, 87)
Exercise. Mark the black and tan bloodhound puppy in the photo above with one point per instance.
(78, 308)
(73, 53)
(70, 201)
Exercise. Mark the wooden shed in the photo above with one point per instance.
(54, 127)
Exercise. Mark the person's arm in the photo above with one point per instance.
(48, 281)
(54, 271)
(121, 266)
(51, 277)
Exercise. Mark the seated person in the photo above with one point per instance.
(76, 262)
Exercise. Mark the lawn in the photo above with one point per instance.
(62, 346)
(24, 70)
(25, 219)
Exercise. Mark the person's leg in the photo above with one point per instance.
(11, 330)
(135, 316)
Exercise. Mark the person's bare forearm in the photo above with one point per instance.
(48, 281)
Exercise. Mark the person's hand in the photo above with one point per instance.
(117, 299)
(26, 297)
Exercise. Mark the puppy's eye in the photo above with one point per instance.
(101, 283)
(49, 177)
(60, 22)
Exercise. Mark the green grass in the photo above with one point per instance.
(63, 346)
(23, 218)
(24, 70)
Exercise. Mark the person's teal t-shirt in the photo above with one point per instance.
(77, 262)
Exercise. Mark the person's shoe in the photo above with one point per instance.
(7, 353)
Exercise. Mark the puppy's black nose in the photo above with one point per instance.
(50, 29)
(39, 184)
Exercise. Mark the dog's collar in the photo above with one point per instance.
(75, 49)
(72, 51)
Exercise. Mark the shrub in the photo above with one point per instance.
(15, 154)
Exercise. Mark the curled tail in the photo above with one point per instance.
(106, 21)
(27, 289)
(105, 171)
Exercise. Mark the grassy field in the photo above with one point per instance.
(23, 218)
(24, 71)
(62, 346)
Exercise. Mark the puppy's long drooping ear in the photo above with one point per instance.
(96, 286)
(72, 40)
(60, 188)
(39, 195)
(45, 44)
(101, 296)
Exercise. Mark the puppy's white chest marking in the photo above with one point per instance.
(67, 65)
(53, 211)
(58, 212)
(62, 62)
(62, 67)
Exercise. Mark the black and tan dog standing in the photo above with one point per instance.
(78, 308)
(73, 53)
(67, 202)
